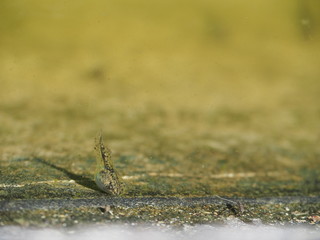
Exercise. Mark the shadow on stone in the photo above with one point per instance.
(84, 181)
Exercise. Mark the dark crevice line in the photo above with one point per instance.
(15, 205)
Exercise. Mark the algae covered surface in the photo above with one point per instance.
(194, 98)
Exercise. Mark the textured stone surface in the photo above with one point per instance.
(193, 103)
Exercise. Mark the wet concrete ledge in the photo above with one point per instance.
(34, 204)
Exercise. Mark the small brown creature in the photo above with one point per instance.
(106, 176)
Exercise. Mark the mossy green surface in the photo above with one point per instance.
(194, 98)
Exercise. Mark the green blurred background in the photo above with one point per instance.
(190, 87)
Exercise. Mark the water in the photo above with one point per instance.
(232, 230)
